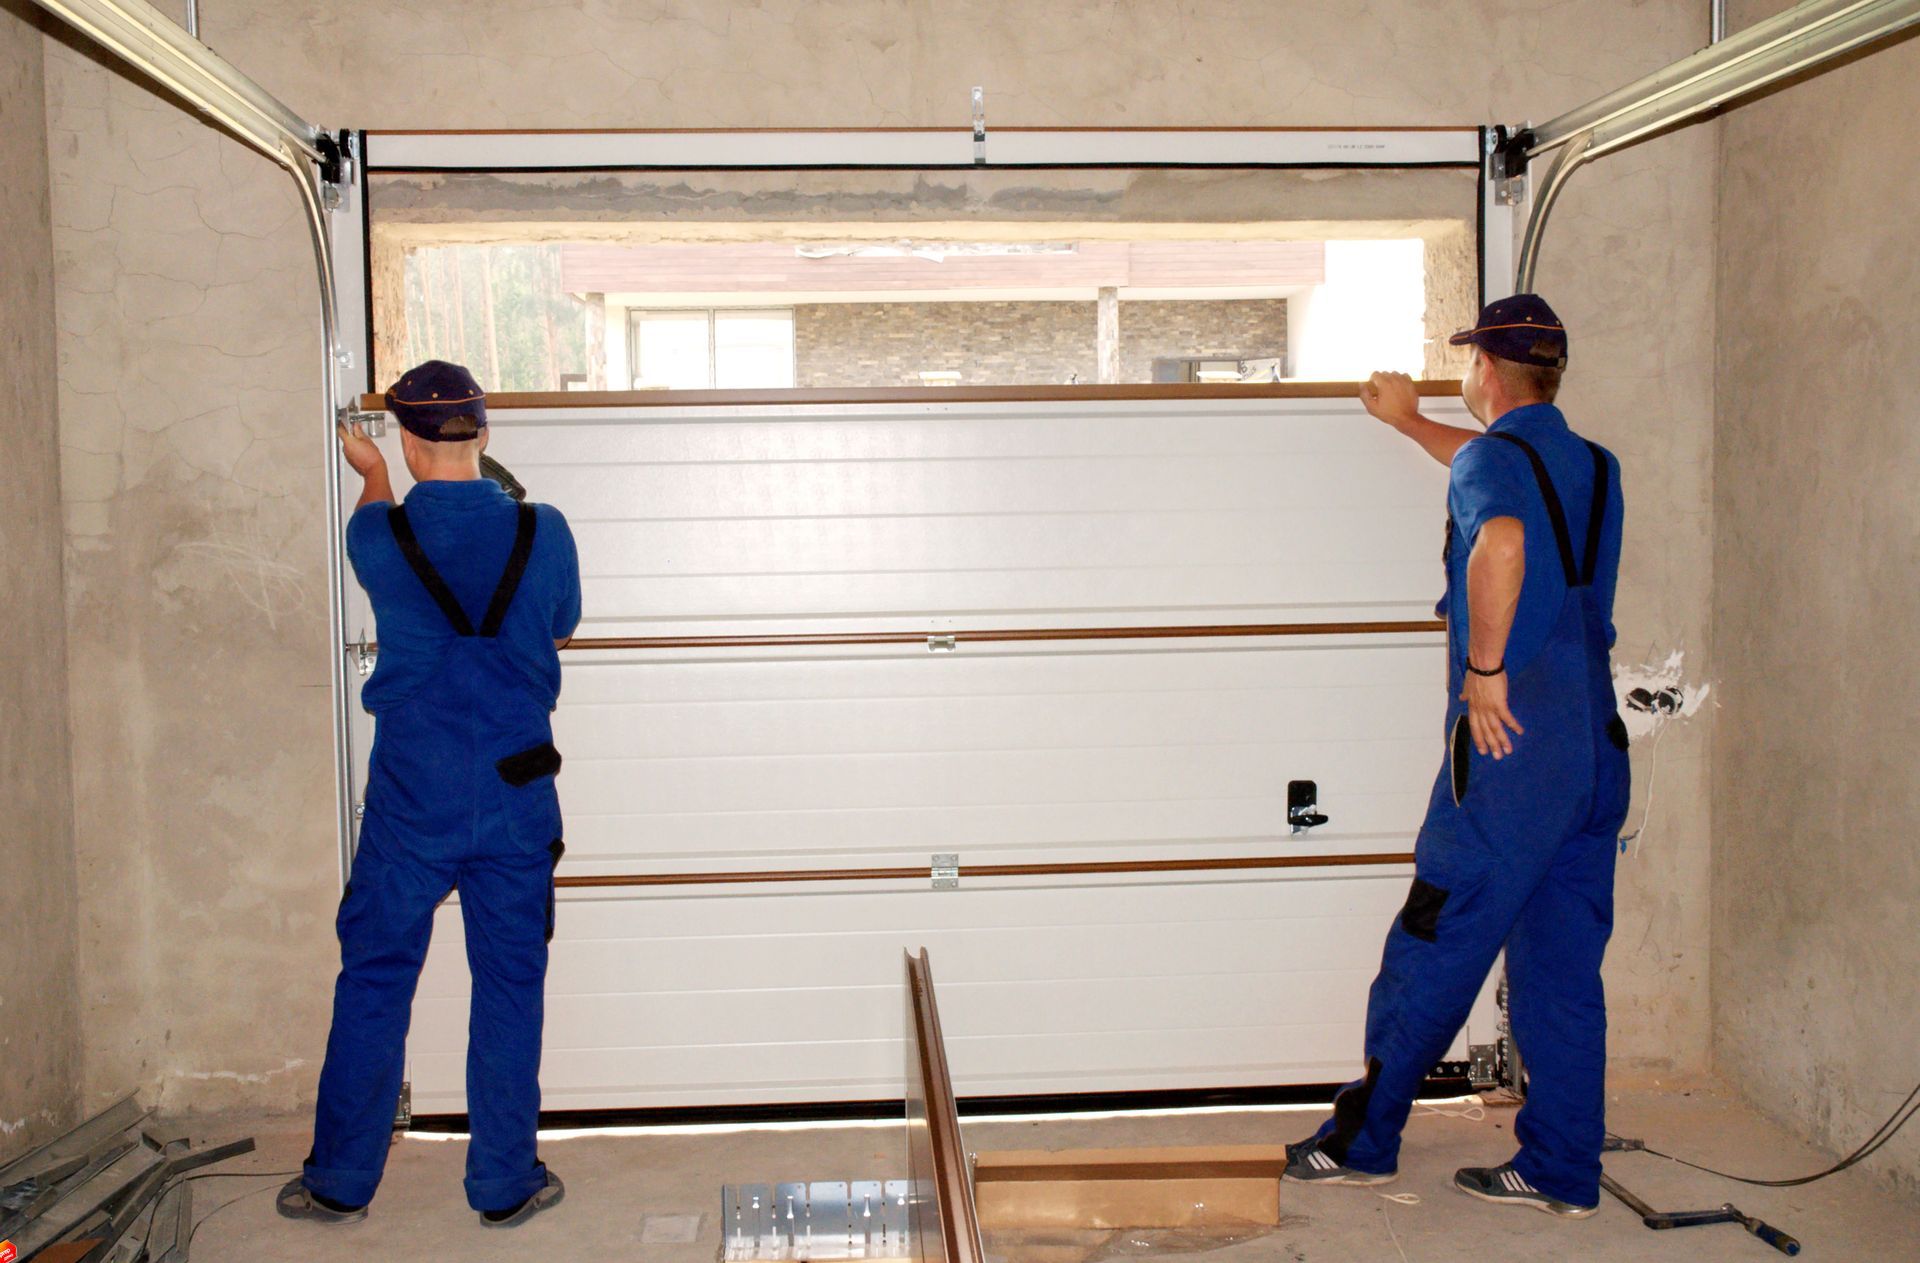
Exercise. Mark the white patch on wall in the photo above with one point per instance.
(235, 1075)
(1653, 696)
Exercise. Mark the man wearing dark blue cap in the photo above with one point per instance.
(1517, 849)
(473, 594)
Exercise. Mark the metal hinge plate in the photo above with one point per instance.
(1483, 1066)
(946, 872)
(373, 423)
(403, 1111)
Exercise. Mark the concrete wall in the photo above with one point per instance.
(1816, 785)
(39, 996)
(192, 440)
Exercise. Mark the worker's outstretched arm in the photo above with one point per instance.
(1393, 398)
(1495, 570)
(365, 459)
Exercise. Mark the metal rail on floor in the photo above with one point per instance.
(944, 1224)
(1805, 38)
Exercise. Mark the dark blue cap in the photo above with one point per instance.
(427, 397)
(1522, 329)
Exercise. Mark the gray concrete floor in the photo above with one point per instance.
(627, 1192)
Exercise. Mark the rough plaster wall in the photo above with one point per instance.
(1816, 764)
(189, 354)
(39, 998)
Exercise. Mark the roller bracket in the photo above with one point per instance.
(1508, 149)
(374, 423)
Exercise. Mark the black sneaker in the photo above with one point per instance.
(1506, 1186)
(1308, 1163)
(514, 1216)
(297, 1201)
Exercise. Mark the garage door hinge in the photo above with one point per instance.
(946, 872)
(373, 423)
(979, 127)
(364, 653)
(403, 1111)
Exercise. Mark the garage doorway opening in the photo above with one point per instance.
(663, 281)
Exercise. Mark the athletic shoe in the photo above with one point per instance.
(1308, 1163)
(1508, 1187)
(514, 1216)
(297, 1201)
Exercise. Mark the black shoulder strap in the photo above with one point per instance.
(515, 571)
(429, 577)
(1555, 513)
(1597, 516)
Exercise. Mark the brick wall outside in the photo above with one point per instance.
(1019, 344)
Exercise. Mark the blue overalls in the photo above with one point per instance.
(460, 795)
(1515, 853)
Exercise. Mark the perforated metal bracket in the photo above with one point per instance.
(946, 872)
(979, 127)
(825, 1219)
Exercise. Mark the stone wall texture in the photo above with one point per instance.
(192, 440)
(1816, 769)
(39, 977)
(1019, 343)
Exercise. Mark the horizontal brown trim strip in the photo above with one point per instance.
(849, 131)
(1214, 1169)
(926, 394)
(1094, 869)
(1009, 634)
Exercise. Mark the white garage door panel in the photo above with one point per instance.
(1136, 750)
(1197, 983)
(742, 519)
(950, 517)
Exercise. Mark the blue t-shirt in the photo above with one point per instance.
(1494, 479)
(466, 530)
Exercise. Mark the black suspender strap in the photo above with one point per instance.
(516, 570)
(429, 577)
(1597, 516)
(1555, 513)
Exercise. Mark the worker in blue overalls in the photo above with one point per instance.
(1517, 850)
(473, 594)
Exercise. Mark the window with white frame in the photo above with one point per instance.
(711, 349)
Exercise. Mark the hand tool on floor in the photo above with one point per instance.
(1727, 1214)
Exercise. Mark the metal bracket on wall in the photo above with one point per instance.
(946, 872)
(942, 644)
(403, 1110)
(979, 127)
(825, 1219)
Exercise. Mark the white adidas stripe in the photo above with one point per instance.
(1321, 1160)
(1514, 1183)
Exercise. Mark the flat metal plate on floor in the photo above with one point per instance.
(824, 1219)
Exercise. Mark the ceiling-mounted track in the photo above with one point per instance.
(1805, 38)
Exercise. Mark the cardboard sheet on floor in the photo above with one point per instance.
(1230, 1188)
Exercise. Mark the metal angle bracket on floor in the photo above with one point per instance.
(823, 1219)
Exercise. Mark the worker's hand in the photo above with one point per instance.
(1488, 718)
(360, 451)
(1392, 398)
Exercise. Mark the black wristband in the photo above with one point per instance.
(1499, 670)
